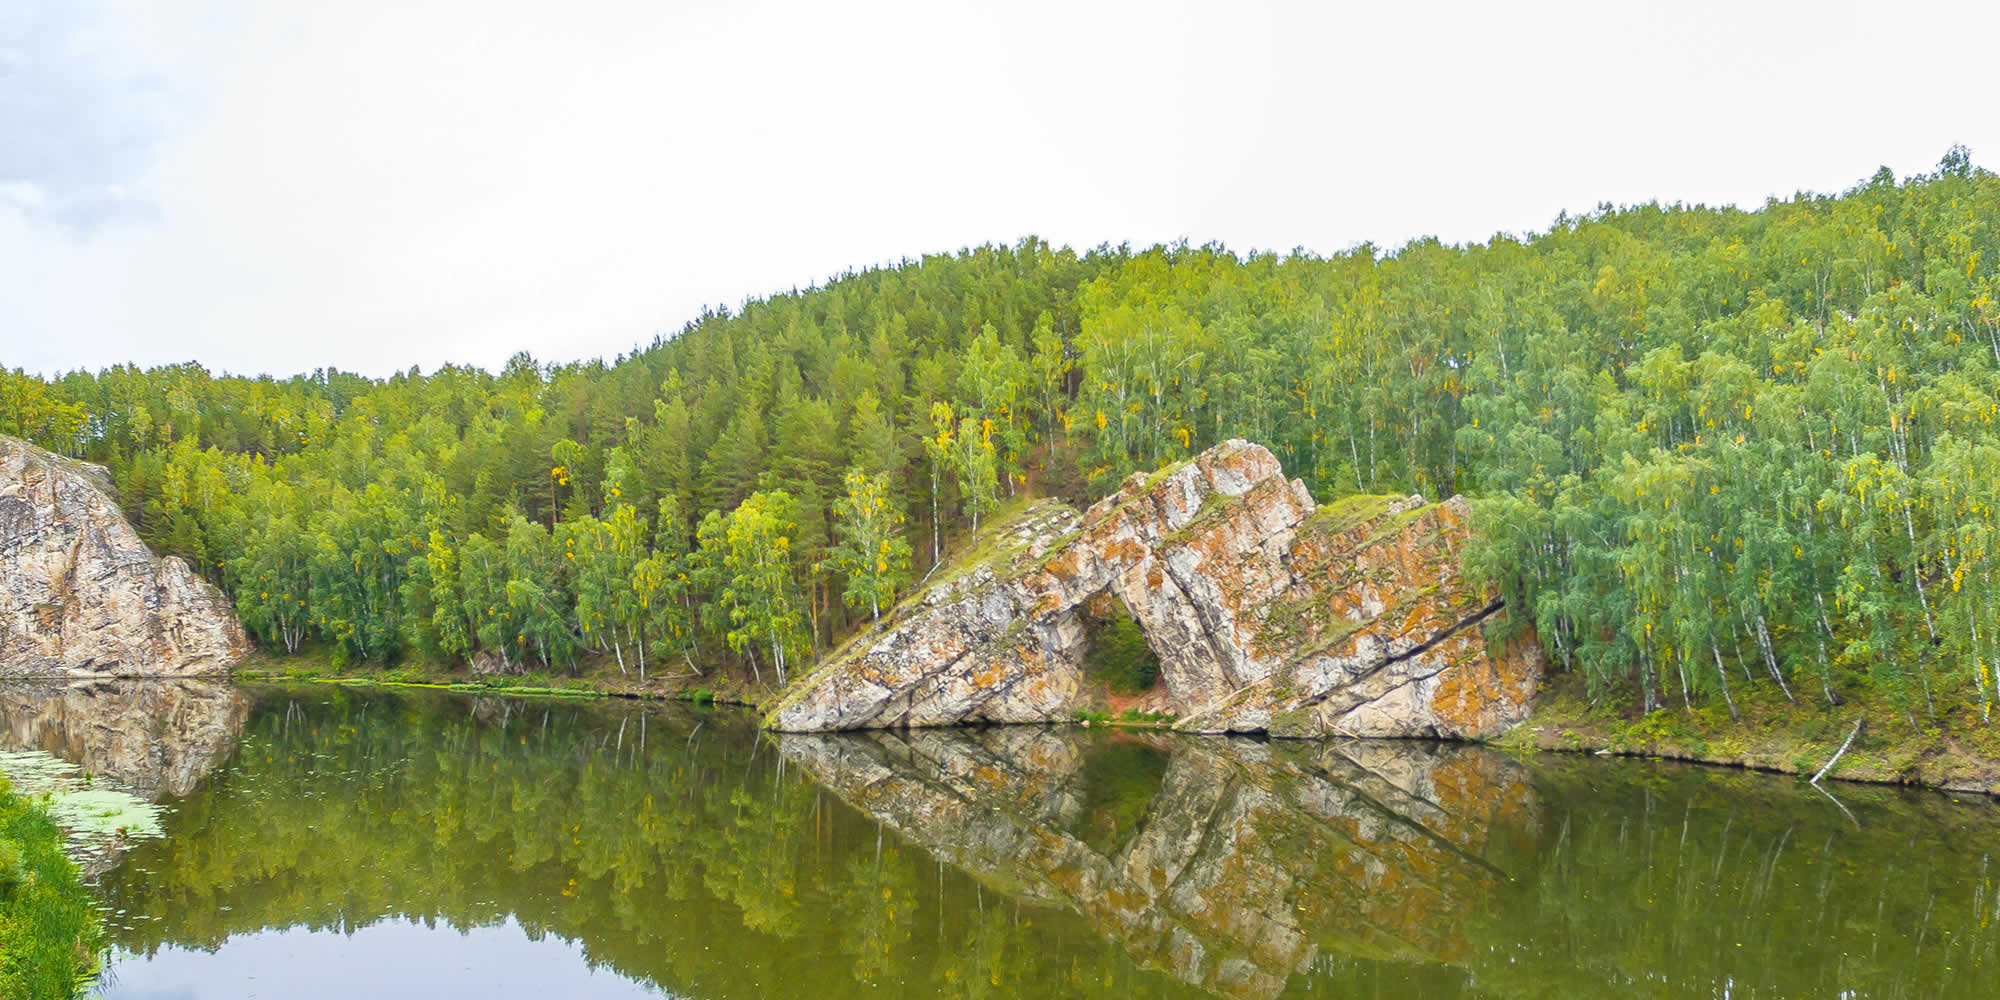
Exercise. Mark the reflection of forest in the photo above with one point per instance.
(685, 849)
(149, 737)
(1403, 869)
(673, 846)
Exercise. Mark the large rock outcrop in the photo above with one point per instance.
(82, 596)
(1268, 613)
(1250, 862)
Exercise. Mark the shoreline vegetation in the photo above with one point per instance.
(1954, 754)
(1770, 734)
(51, 932)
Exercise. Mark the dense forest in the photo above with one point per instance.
(1708, 447)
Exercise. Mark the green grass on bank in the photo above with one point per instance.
(596, 677)
(1953, 748)
(50, 935)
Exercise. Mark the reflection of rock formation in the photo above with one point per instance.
(1250, 860)
(1268, 613)
(151, 737)
(81, 595)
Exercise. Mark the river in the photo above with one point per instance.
(320, 841)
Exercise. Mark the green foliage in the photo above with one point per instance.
(49, 931)
(1709, 448)
(871, 553)
(1119, 657)
(746, 560)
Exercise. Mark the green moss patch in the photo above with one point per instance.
(1347, 513)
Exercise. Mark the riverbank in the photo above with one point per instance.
(51, 934)
(596, 677)
(1956, 751)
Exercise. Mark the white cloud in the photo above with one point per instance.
(79, 118)
(375, 185)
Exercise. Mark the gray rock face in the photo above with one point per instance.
(1250, 861)
(975, 647)
(82, 596)
(1268, 613)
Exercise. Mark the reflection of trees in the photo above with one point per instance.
(674, 849)
(1698, 882)
(1392, 869)
(1026, 862)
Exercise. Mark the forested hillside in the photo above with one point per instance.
(1708, 446)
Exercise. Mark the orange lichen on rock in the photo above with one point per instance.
(1266, 612)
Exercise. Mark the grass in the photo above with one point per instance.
(595, 677)
(1347, 513)
(1958, 750)
(50, 935)
(993, 547)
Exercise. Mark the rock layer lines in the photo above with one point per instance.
(82, 596)
(1268, 613)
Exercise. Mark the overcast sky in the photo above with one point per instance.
(271, 186)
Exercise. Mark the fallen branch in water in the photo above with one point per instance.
(1856, 731)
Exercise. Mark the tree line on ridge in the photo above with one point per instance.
(1708, 447)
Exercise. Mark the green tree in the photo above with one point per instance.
(871, 552)
(746, 557)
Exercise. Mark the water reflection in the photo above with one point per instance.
(1237, 868)
(659, 848)
(103, 752)
(150, 737)
(671, 847)
(393, 958)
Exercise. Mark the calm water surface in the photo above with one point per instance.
(329, 842)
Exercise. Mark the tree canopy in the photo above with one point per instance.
(1707, 445)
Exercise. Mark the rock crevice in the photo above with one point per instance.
(1267, 612)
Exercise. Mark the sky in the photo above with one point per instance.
(274, 187)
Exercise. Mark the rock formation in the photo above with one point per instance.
(1250, 861)
(82, 596)
(1268, 613)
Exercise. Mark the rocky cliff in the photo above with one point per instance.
(1268, 613)
(82, 596)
